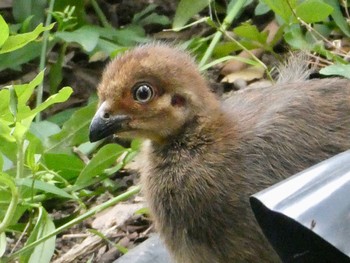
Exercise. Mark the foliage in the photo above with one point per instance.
(300, 27)
(37, 162)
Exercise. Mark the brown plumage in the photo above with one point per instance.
(203, 158)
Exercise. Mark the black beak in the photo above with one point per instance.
(104, 124)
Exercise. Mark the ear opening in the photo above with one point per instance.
(178, 100)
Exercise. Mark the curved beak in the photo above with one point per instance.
(104, 124)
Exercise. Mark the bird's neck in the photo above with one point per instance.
(198, 132)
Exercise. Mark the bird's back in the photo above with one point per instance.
(292, 126)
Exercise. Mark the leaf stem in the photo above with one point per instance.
(14, 190)
(231, 15)
(40, 89)
(100, 14)
(11, 208)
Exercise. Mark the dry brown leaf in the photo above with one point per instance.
(247, 74)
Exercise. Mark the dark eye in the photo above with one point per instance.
(143, 93)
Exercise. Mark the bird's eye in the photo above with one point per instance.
(143, 93)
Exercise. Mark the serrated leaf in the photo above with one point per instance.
(4, 31)
(187, 9)
(43, 186)
(103, 159)
(337, 69)
(74, 131)
(307, 11)
(20, 40)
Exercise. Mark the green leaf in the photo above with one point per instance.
(74, 131)
(42, 252)
(307, 11)
(62, 95)
(33, 152)
(85, 36)
(14, 59)
(20, 40)
(337, 69)
(5, 101)
(22, 9)
(138, 16)
(155, 19)
(296, 39)
(338, 17)
(43, 186)
(1, 165)
(44, 129)
(3, 244)
(104, 158)
(55, 76)
(25, 91)
(20, 131)
(261, 9)
(282, 8)
(187, 9)
(251, 32)
(68, 166)
(63, 116)
(4, 31)
(145, 17)
(8, 181)
(6, 131)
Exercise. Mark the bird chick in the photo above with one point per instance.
(204, 157)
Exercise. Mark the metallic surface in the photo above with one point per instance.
(150, 251)
(307, 217)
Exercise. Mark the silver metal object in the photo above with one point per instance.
(306, 217)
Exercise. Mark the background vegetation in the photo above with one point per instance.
(47, 165)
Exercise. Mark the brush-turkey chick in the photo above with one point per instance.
(203, 157)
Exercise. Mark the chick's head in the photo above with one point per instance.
(151, 92)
